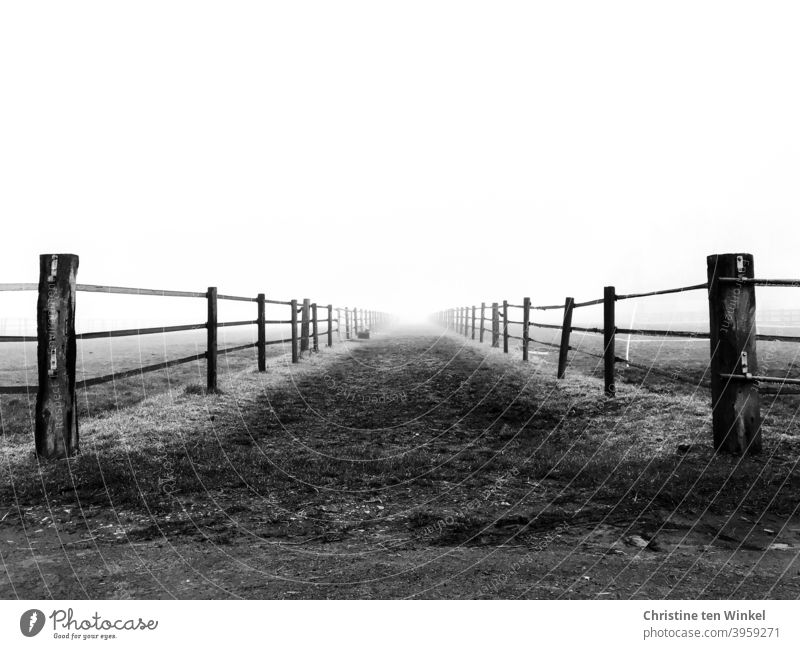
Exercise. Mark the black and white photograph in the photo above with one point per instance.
(382, 324)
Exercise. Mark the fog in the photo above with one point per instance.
(404, 157)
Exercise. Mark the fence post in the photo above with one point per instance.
(473, 322)
(526, 316)
(262, 336)
(505, 326)
(314, 327)
(355, 321)
(483, 322)
(56, 429)
(347, 323)
(609, 333)
(295, 355)
(330, 325)
(736, 412)
(304, 321)
(566, 330)
(495, 325)
(211, 330)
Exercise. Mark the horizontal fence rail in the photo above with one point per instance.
(56, 336)
(732, 335)
(19, 287)
(121, 290)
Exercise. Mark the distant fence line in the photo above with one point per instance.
(735, 381)
(56, 427)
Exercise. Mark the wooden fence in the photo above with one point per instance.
(735, 382)
(56, 427)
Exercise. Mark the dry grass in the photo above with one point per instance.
(460, 447)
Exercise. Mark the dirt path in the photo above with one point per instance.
(404, 466)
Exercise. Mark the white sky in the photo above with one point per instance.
(406, 155)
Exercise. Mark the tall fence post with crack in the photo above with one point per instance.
(566, 329)
(330, 325)
(56, 428)
(736, 413)
(211, 346)
(609, 337)
(483, 322)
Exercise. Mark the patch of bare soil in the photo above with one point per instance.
(405, 466)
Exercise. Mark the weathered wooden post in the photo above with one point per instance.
(609, 336)
(495, 325)
(330, 325)
(56, 428)
(346, 323)
(305, 316)
(355, 322)
(262, 334)
(483, 322)
(295, 355)
(473, 322)
(211, 337)
(314, 327)
(566, 329)
(526, 316)
(736, 411)
(505, 326)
